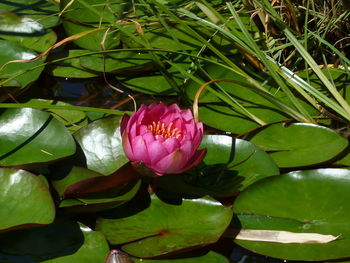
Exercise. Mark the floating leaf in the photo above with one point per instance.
(73, 120)
(23, 72)
(103, 201)
(299, 144)
(313, 201)
(118, 63)
(24, 199)
(78, 18)
(44, 12)
(230, 165)
(60, 242)
(224, 117)
(70, 67)
(102, 145)
(210, 257)
(157, 83)
(164, 228)
(100, 184)
(76, 175)
(30, 136)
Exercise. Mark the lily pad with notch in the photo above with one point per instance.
(25, 200)
(163, 228)
(229, 167)
(312, 201)
(299, 144)
(72, 242)
(32, 137)
(102, 145)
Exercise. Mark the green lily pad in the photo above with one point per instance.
(314, 201)
(164, 228)
(78, 18)
(72, 242)
(226, 118)
(102, 202)
(98, 184)
(340, 78)
(229, 166)
(160, 38)
(24, 73)
(73, 120)
(210, 257)
(102, 145)
(118, 63)
(69, 67)
(44, 12)
(153, 84)
(24, 199)
(299, 144)
(76, 175)
(26, 31)
(11, 23)
(156, 83)
(29, 136)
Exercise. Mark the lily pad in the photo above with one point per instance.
(299, 144)
(73, 120)
(102, 145)
(24, 199)
(44, 12)
(118, 63)
(98, 184)
(227, 118)
(72, 242)
(164, 228)
(157, 83)
(69, 67)
(76, 175)
(24, 72)
(210, 257)
(78, 18)
(314, 201)
(29, 136)
(26, 31)
(229, 166)
(103, 201)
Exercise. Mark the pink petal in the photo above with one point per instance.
(124, 123)
(187, 115)
(197, 139)
(174, 107)
(190, 127)
(170, 117)
(132, 129)
(142, 129)
(195, 160)
(156, 151)
(139, 149)
(159, 138)
(126, 146)
(170, 164)
(154, 113)
(135, 116)
(187, 149)
(140, 118)
(171, 144)
(148, 138)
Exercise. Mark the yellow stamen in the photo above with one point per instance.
(159, 128)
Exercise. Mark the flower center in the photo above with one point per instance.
(159, 128)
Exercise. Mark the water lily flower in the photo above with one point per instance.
(163, 138)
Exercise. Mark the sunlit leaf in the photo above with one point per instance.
(24, 199)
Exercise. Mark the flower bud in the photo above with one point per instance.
(163, 138)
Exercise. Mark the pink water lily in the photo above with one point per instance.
(163, 138)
